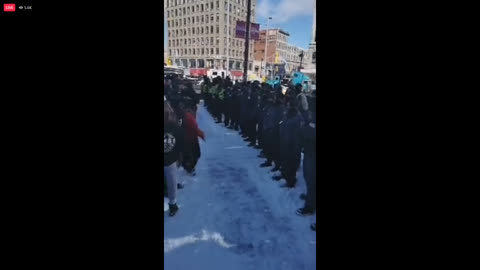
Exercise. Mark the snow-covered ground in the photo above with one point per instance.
(233, 215)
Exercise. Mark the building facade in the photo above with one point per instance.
(197, 33)
(278, 51)
(312, 49)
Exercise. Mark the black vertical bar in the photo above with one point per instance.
(247, 43)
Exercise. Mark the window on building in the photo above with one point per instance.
(206, 19)
(176, 12)
(193, 9)
(218, 17)
(218, 40)
(218, 51)
(218, 29)
(211, 5)
(193, 31)
(206, 30)
(211, 41)
(203, 52)
(211, 51)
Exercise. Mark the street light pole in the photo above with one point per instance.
(228, 37)
(247, 42)
(301, 58)
(266, 44)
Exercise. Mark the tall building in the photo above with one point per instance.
(312, 50)
(197, 33)
(278, 51)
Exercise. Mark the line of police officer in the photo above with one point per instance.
(281, 123)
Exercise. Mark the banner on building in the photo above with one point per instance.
(241, 30)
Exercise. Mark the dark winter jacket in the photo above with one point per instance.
(309, 140)
(273, 116)
(172, 143)
(292, 141)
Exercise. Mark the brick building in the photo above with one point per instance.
(278, 51)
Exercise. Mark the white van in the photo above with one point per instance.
(213, 73)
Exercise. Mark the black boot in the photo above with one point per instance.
(266, 164)
(277, 177)
(261, 155)
(173, 209)
(180, 186)
(305, 211)
(251, 144)
(276, 168)
(313, 227)
(303, 196)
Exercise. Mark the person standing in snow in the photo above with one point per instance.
(271, 121)
(308, 139)
(172, 153)
(290, 155)
(191, 149)
(251, 123)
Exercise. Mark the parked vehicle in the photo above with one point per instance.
(213, 73)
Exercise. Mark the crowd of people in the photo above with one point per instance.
(280, 121)
(181, 132)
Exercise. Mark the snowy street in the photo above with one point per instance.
(233, 215)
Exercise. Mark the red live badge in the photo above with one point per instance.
(8, 7)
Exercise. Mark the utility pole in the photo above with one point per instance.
(228, 37)
(266, 44)
(247, 42)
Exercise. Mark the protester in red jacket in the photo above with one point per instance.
(191, 148)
